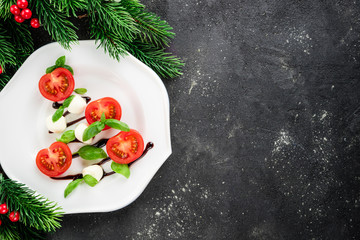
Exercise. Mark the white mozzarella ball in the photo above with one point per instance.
(56, 127)
(94, 170)
(77, 105)
(79, 132)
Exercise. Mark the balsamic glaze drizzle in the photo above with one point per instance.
(102, 143)
(57, 105)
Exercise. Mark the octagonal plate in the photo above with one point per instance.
(145, 107)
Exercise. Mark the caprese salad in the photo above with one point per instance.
(58, 86)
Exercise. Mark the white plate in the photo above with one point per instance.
(145, 107)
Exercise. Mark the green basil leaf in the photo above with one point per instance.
(58, 114)
(50, 69)
(69, 68)
(90, 180)
(60, 62)
(101, 126)
(68, 101)
(114, 123)
(93, 130)
(67, 136)
(122, 169)
(103, 118)
(71, 186)
(89, 152)
(80, 91)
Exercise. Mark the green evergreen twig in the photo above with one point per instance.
(152, 28)
(163, 63)
(35, 211)
(69, 6)
(55, 22)
(5, 9)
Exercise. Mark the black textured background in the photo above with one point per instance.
(265, 126)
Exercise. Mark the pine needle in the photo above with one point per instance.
(67, 6)
(35, 211)
(55, 22)
(152, 28)
(5, 8)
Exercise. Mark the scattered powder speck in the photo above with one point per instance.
(283, 139)
(178, 214)
(303, 171)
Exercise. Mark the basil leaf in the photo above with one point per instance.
(90, 180)
(68, 101)
(93, 130)
(80, 91)
(89, 152)
(122, 169)
(60, 62)
(114, 123)
(67, 136)
(50, 69)
(71, 186)
(103, 118)
(101, 126)
(69, 68)
(58, 114)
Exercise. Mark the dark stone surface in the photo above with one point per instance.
(265, 126)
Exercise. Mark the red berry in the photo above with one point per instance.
(0, 70)
(26, 13)
(22, 3)
(15, 9)
(0, 222)
(3, 208)
(35, 23)
(19, 19)
(14, 216)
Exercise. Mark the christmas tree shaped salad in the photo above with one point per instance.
(122, 149)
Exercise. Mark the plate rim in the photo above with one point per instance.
(8, 87)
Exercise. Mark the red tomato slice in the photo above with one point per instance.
(125, 147)
(106, 105)
(54, 160)
(57, 85)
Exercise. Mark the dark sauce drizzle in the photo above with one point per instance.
(101, 143)
(149, 146)
(57, 105)
(72, 122)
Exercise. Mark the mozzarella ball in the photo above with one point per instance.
(56, 127)
(79, 132)
(77, 105)
(94, 170)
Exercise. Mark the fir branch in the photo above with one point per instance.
(8, 231)
(17, 231)
(4, 79)
(109, 41)
(112, 18)
(67, 6)
(35, 211)
(7, 50)
(152, 28)
(55, 22)
(5, 8)
(163, 63)
(18, 32)
(20, 36)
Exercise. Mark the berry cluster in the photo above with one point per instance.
(21, 13)
(13, 216)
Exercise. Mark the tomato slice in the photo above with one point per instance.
(57, 85)
(54, 160)
(106, 105)
(125, 147)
